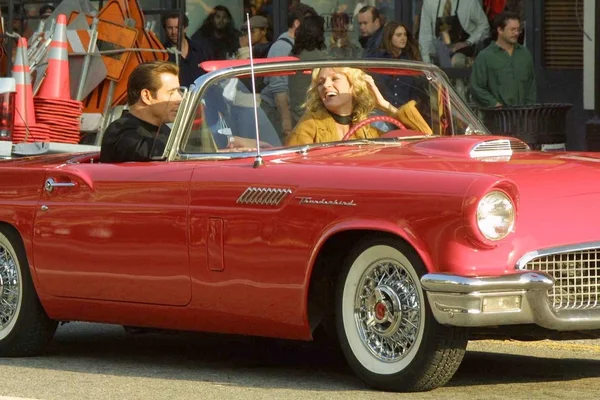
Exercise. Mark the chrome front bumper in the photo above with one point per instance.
(463, 301)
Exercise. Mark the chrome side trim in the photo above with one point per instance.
(554, 250)
(301, 149)
(458, 301)
(263, 196)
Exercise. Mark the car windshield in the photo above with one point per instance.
(306, 103)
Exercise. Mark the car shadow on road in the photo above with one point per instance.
(490, 368)
(262, 362)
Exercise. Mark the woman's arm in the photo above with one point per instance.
(304, 132)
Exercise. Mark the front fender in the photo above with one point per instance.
(400, 229)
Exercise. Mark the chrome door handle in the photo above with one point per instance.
(51, 184)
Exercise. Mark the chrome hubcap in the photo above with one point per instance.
(387, 310)
(9, 287)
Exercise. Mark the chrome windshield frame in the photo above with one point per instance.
(189, 105)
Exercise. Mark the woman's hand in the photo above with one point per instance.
(381, 101)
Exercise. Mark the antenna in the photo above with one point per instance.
(258, 161)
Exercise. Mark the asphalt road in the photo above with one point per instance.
(87, 361)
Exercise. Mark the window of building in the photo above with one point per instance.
(563, 35)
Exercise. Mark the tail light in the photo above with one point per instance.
(7, 107)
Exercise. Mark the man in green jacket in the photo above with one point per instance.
(503, 73)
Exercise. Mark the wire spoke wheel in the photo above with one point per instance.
(386, 330)
(25, 328)
(10, 291)
(387, 310)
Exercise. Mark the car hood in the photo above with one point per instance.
(533, 171)
(556, 199)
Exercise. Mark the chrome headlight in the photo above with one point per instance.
(495, 215)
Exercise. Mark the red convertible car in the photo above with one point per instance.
(404, 238)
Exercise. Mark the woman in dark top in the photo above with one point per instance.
(398, 43)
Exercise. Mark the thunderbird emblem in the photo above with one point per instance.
(324, 202)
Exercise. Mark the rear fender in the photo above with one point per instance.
(20, 193)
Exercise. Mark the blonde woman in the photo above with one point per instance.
(339, 98)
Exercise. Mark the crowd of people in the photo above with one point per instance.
(450, 33)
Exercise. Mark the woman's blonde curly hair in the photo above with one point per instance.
(363, 99)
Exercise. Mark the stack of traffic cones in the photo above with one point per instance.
(26, 128)
(53, 102)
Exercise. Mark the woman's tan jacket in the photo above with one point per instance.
(319, 126)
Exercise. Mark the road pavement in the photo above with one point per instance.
(91, 361)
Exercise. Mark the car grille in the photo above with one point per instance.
(576, 285)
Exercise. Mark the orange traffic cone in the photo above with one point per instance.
(56, 84)
(24, 111)
(25, 127)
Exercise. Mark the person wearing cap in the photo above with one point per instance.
(258, 32)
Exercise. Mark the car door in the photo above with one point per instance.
(250, 244)
(115, 232)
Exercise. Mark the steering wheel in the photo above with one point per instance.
(370, 120)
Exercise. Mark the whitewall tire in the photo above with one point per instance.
(25, 328)
(387, 331)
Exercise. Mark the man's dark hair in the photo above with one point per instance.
(502, 19)
(147, 76)
(172, 15)
(299, 12)
(374, 12)
(310, 35)
(208, 26)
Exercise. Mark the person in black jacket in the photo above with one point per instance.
(217, 32)
(370, 29)
(153, 95)
(192, 52)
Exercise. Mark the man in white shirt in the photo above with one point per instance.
(451, 30)
(470, 15)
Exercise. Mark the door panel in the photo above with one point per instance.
(115, 232)
(248, 250)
